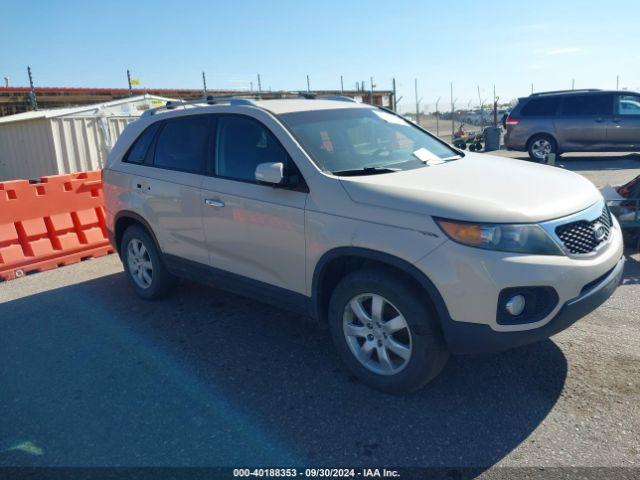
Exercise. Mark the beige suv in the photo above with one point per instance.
(408, 248)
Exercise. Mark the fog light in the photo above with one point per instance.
(515, 305)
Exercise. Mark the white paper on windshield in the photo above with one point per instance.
(427, 157)
(387, 117)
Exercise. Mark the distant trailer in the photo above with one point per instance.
(66, 140)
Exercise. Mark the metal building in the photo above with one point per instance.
(65, 140)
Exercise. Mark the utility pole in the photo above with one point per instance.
(129, 82)
(437, 118)
(394, 94)
(341, 85)
(453, 127)
(532, 89)
(495, 107)
(371, 94)
(573, 84)
(481, 108)
(6, 82)
(32, 94)
(308, 85)
(617, 82)
(259, 87)
(417, 101)
(251, 86)
(204, 84)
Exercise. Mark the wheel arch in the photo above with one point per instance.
(340, 261)
(124, 220)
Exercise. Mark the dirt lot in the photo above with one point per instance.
(90, 375)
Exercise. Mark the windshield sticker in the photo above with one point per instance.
(427, 157)
(387, 117)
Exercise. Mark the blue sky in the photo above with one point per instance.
(511, 44)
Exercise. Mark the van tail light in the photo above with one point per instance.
(511, 121)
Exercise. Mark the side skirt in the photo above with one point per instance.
(239, 285)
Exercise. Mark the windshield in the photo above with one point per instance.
(366, 140)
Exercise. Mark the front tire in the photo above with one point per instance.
(540, 146)
(143, 264)
(384, 331)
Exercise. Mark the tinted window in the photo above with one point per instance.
(629, 105)
(139, 149)
(587, 105)
(182, 144)
(541, 107)
(242, 144)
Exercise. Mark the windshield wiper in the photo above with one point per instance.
(365, 171)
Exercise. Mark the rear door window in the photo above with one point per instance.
(541, 107)
(182, 144)
(138, 151)
(581, 105)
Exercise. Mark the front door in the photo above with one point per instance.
(253, 230)
(624, 131)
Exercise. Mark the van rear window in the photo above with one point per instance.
(539, 107)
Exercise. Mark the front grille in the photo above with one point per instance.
(582, 237)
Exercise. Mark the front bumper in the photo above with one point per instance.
(464, 337)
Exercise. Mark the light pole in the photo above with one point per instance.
(453, 105)
(437, 118)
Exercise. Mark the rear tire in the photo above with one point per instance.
(395, 346)
(143, 264)
(540, 146)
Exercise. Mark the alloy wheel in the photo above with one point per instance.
(377, 334)
(140, 265)
(541, 148)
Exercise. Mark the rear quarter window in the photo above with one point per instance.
(140, 147)
(540, 107)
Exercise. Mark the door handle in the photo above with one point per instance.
(599, 120)
(615, 120)
(211, 202)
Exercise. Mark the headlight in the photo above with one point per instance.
(502, 237)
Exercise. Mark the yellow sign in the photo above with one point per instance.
(135, 81)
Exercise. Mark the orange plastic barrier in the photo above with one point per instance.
(51, 222)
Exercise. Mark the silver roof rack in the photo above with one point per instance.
(244, 99)
(209, 100)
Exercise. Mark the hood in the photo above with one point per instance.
(478, 188)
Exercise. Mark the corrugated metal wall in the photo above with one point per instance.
(26, 150)
(80, 141)
(50, 146)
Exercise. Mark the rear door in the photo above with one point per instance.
(253, 230)
(624, 131)
(169, 186)
(583, 120)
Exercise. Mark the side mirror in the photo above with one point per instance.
(271, 173)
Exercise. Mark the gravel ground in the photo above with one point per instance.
(92, 376)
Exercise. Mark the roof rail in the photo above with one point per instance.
(244, 99)
(553, 92)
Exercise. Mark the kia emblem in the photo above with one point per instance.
(599, 231)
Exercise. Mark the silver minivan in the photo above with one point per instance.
(574, 121)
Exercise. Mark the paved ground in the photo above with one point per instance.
(90, 375)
